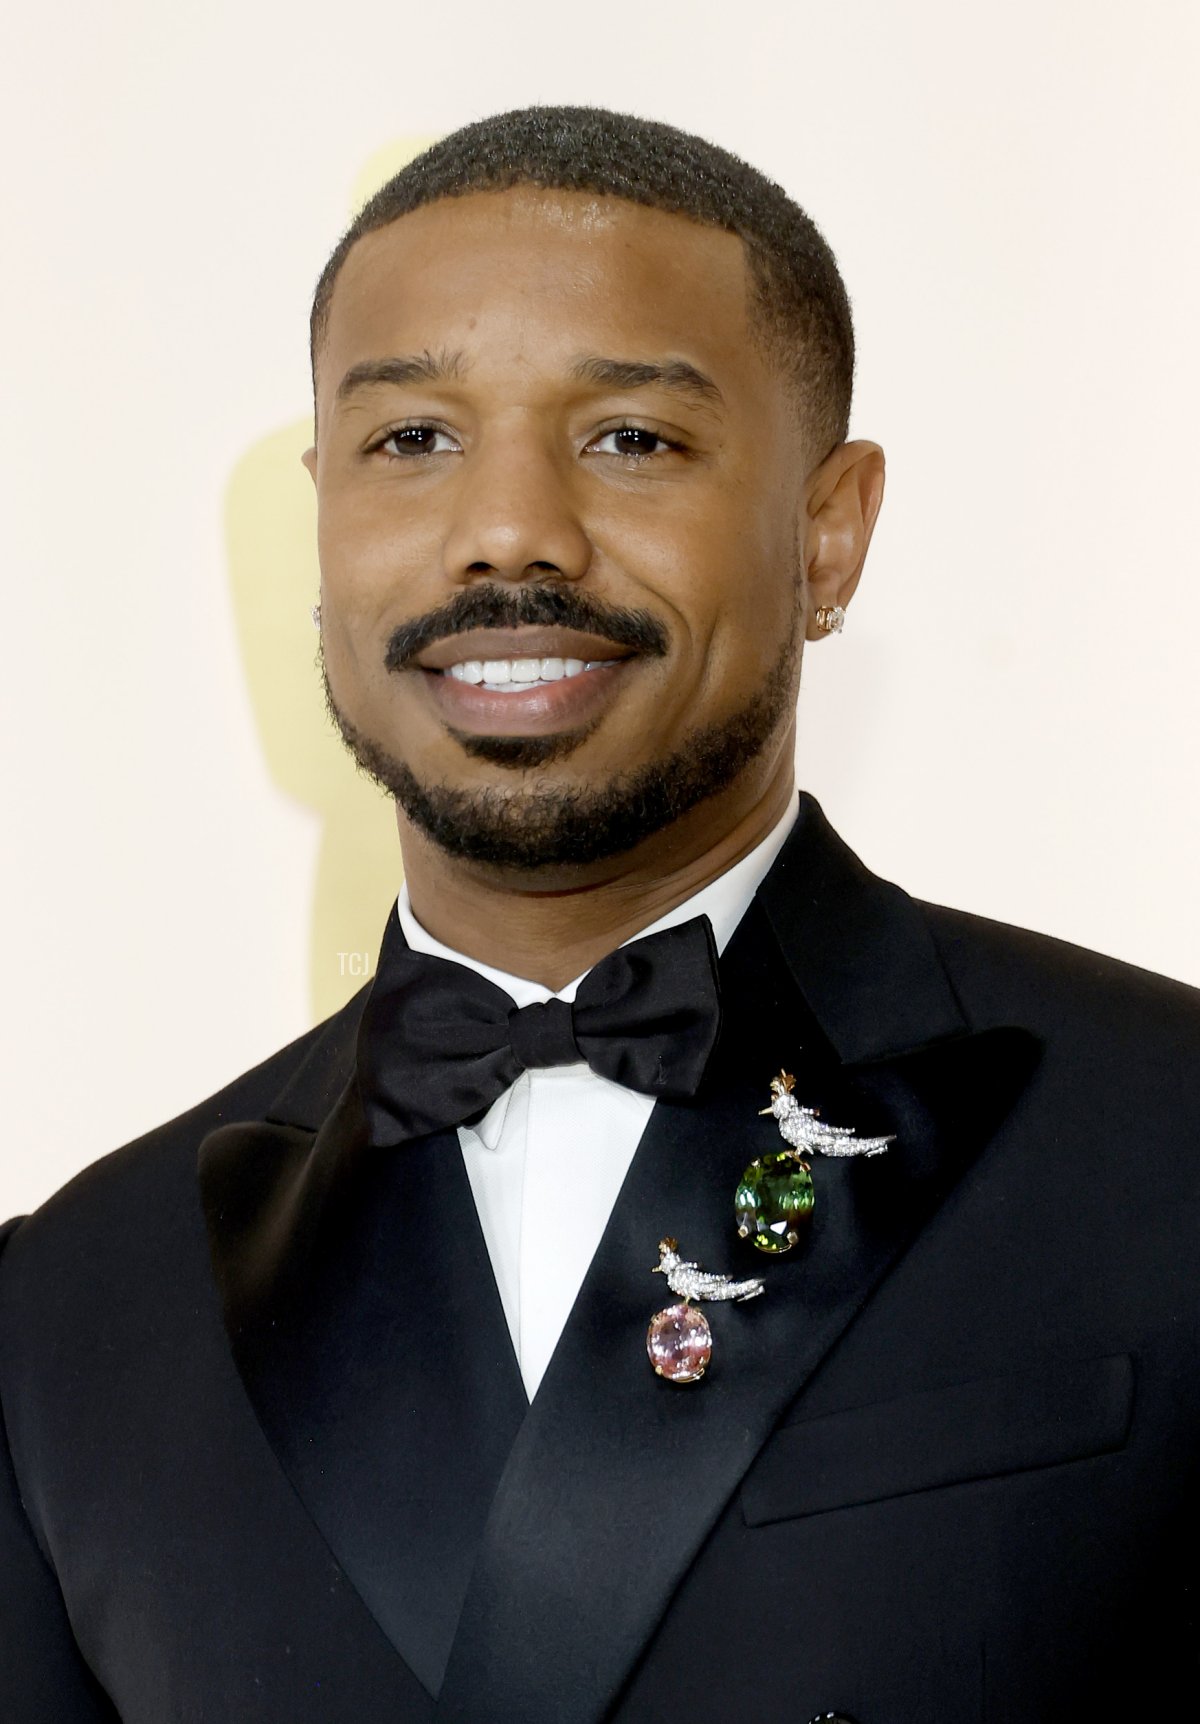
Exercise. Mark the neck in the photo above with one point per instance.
(552, 930)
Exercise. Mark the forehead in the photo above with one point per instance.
(534, 276)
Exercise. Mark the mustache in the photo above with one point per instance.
(508, 608)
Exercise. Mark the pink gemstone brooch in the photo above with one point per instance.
(679, 1341)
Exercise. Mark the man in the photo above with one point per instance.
(352, 1394)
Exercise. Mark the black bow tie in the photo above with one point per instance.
(438, 1042)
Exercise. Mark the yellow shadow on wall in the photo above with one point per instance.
(271, 544)
(270, 531)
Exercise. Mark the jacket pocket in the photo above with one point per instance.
(938, 1437)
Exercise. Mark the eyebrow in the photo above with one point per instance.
(397, 371)
(411, 368)
(674, 374)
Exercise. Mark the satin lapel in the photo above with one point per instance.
(617, 1477)
(364, 1319)
(857, 947)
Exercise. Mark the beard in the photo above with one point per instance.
(546, 825)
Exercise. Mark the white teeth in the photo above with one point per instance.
(495, 673)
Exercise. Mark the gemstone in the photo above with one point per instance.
(773, 1203)
(679, 1342)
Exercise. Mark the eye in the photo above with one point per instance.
(633, 442)
(411, 442)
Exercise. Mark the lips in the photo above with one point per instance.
(523, 682)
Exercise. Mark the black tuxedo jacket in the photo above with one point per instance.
(269, 1457)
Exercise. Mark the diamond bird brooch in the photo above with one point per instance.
(774, 1199)
(679, 1340)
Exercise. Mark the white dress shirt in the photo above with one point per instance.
(548, 1158)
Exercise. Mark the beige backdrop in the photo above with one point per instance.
(193, 872)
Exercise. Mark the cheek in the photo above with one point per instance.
(371, 556)
(728, 578)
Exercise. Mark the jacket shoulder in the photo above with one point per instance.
(295, 1085)
(1064, 993)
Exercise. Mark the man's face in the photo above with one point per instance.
(549, 411)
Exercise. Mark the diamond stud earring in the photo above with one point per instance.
(829, 619)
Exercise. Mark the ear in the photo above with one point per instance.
(309, 460)
(843, 496)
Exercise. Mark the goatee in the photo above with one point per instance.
(539, 825)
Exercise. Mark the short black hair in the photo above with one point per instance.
(800, 300)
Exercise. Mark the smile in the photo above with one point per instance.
(524, 681)
(525, 696)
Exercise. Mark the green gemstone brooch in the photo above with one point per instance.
(774, 1199)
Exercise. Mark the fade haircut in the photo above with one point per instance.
(799, 302)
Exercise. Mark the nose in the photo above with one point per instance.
(515, 518)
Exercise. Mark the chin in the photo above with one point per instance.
(522, 753)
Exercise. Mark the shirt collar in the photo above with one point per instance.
(724, 901)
